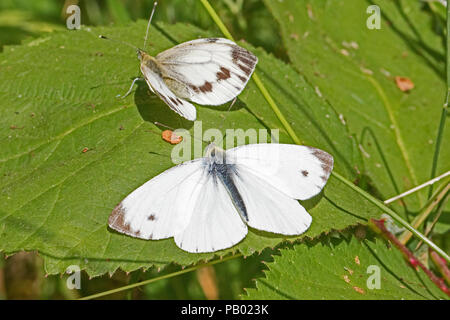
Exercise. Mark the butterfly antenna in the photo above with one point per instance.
(118, 41)
(149, 22)
(224, 117)
(163, 125)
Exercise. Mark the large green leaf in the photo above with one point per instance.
(341, 269)
(354, 68)
(58, 97)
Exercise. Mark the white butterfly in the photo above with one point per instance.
(207, 204)
(208, 71)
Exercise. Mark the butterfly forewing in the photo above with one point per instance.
(268, 208)
(162, 207)
(213, 70)
(298, 171)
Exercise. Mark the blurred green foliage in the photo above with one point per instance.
(247, 20)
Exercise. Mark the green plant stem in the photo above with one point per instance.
(167, 276)
(394, 215)
(438, 214)
(296, 140)
(255, 77)
(216, 19)
(439, 135)
(429, 207)
(444, 107)
(275, 108)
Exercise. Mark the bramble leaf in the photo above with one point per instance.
(343, 270)
(70, 151)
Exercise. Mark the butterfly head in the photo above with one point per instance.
(214, 154)
(141, 54)
(148, 61)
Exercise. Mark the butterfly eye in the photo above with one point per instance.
(138, 52)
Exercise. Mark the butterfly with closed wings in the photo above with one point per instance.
(210, 71)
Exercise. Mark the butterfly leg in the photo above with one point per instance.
(129, 90)
(232, 103)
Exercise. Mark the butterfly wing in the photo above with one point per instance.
(161, 207)
(268, 208)
(215, 224)
(157, 85)
(298, 171)
(186, 203)
(271, 176)
(211, 71)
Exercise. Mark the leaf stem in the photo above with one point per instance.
(294, 137)
(216, 19)
(255, 77)
(444, 107)
(434, 201)
(438, 214)
(275, 109)
(167, 276)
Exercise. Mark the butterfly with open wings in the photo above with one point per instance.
(207, 204)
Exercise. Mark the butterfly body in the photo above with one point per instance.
(207, 204)
(225, 173)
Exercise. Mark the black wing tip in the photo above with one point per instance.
(325, 158)
(117, 222)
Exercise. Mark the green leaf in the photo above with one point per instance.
(58, 98)
(343, 270)
(354, 68)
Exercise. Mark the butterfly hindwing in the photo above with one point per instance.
(177, 104)
(215, 223)
(268, 208)
(213, 70)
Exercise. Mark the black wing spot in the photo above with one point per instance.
(246, 70)
(244, 59)
(206, 87)
(243, 79)
(196, 89)
(223, 74)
